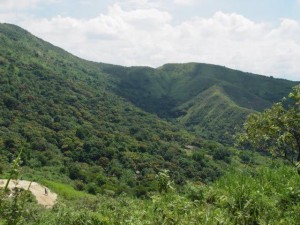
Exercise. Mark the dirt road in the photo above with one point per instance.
(47, 200)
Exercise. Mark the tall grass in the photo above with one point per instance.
(264, 195)
(66, 191)
(259, 197)
(12, 202)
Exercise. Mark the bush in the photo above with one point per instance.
(92, 188)
(222, 154)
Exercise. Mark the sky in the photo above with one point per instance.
(258, 36)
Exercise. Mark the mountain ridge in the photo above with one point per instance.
(163, 90)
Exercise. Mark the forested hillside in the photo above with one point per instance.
(209, 100)
(66, 114)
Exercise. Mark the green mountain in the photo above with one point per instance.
(207, 99)
(66, 114)
(108, 127)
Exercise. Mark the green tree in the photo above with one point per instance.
(276, 130)
(164, 181)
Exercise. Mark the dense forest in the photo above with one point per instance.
(135, 145)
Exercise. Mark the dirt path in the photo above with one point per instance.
(36, 189)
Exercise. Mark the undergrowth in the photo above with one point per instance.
(248, 196)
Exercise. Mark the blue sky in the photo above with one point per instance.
(255, 36)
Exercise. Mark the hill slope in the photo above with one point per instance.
(173, 91)
(66, 114)
(212, 110)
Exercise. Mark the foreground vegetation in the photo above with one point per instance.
(276, 130)
(265, 195)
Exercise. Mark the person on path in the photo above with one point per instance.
(46, 191)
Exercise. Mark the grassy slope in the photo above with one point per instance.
(212, 110)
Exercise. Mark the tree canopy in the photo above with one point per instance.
(277, 129)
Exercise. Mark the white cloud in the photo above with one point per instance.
(21, 5)
(147, 36)
(17, 4)
(186, 2)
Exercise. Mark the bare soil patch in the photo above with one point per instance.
(42, 194)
